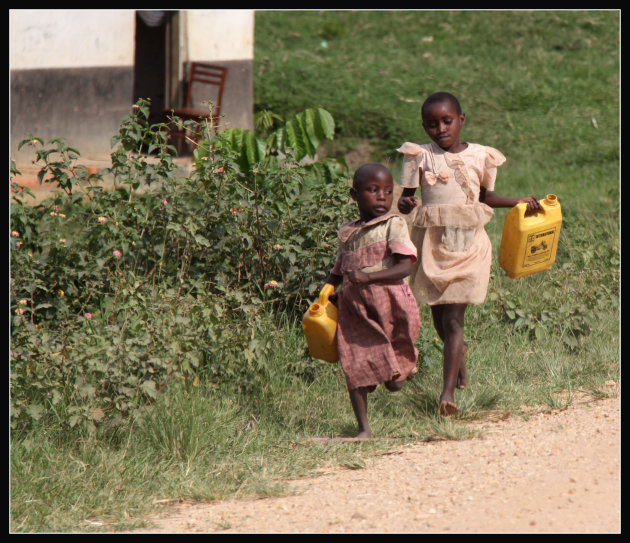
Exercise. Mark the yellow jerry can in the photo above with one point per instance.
(320, 327)
(529, 243)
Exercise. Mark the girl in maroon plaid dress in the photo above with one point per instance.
(378, 319)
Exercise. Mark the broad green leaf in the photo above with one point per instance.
(149, 388)
(35, 411)
(313, 129)
(308, 145)
(325, 123)
(293, 139)
(254, 149)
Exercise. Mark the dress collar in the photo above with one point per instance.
(349, 228)
(439, 151)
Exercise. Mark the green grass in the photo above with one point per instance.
(529, 81)
(541, 86)
(207, 443)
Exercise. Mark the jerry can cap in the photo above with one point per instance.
(551, 200)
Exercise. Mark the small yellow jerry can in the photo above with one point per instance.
(320, 327)
(529, 244)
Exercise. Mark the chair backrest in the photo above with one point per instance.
(206, 74)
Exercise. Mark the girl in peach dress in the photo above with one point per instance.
(456, 180)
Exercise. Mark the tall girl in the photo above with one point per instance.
(456, 180)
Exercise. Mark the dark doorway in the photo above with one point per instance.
(150, 69)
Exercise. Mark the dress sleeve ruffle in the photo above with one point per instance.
(399, 240)
(413, 159)
(494, 159)
(453, 215)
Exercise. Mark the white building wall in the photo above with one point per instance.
(231, 31)
(73, 73)
(70, 38)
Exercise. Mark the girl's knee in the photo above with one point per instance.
(453, 319)
(453, 325)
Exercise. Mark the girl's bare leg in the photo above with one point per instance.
(462, 375)
(358, 398)
(449, 324)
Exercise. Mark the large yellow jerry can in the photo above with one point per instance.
(529, 244)
(320, 327)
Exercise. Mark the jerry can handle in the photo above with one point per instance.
(551, 200)
(522, 209)
(325, 293)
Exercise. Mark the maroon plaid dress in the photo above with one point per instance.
(378, 323)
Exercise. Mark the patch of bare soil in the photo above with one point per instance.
(553, 472)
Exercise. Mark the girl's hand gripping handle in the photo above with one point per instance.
(532, 205)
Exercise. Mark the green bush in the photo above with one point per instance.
(116, 293)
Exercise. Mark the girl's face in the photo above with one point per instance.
(443, 124)
(374, 195)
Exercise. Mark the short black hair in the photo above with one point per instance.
(439, 97)
(367, 171)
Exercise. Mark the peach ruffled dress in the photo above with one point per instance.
(454, 250)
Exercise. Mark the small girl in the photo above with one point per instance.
(378, 318)
(456, 180)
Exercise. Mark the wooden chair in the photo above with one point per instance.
(206, 82)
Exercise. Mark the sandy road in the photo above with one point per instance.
(557, 472)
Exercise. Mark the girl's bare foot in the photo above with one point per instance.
(462, 375)
(364, 434)
(447, 406)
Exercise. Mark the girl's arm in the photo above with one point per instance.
(400, 270)
(334, 280)
(496, 200)
(407, 200)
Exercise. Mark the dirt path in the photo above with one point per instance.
(557, 472)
